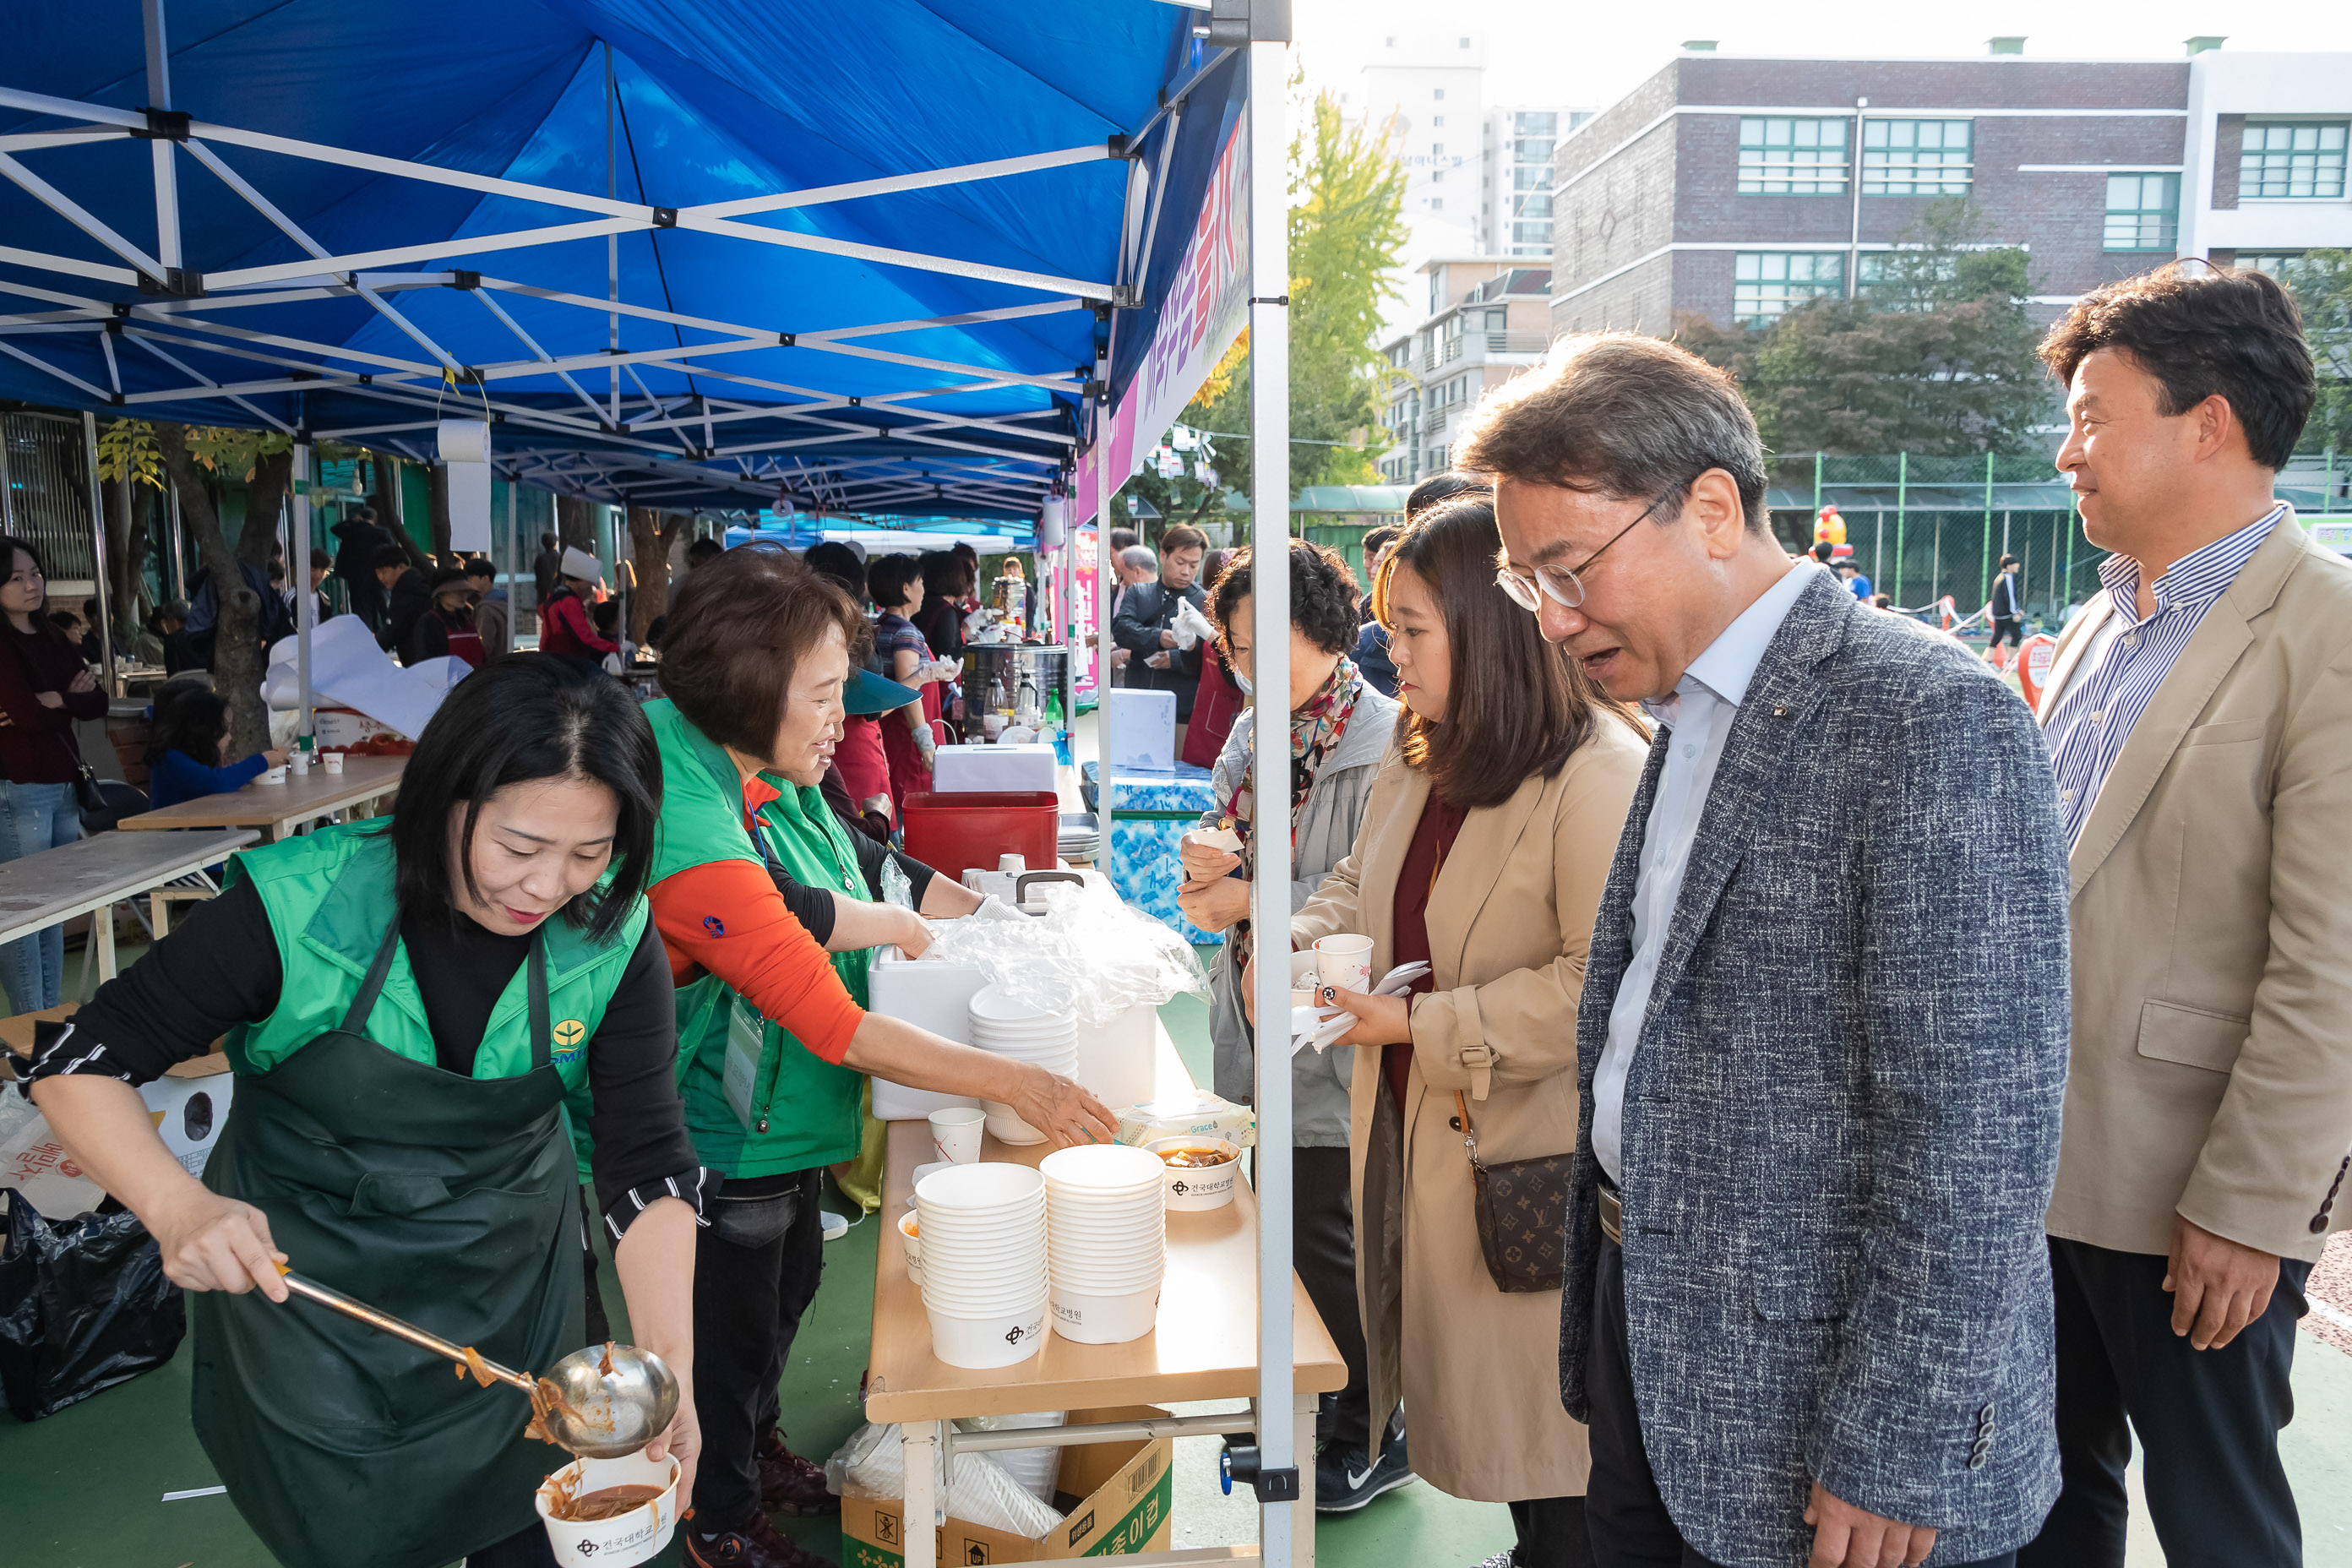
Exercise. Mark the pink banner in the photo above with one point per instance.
(1205, 309)
(1082, 567)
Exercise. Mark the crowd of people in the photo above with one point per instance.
(1843, 1107)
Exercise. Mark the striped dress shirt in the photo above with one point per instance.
(2118, 674)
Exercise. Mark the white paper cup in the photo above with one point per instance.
(979, 1344)
(955, 1133)
(1197, 1188)
(637, 1536)
(1104, 1319)
(909, 1227)
(300, 761)
(1344, 961)
(334, 762)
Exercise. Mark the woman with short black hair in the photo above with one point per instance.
(410, 1007)
(897, 585)
(773, 1036)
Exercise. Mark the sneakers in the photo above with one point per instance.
(756, 1545)
(791, 1484)
(1500, 1559)
(1345, 1480)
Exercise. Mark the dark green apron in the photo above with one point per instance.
(445, 1200)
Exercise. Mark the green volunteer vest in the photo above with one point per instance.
(811, 1107)
(330, 900)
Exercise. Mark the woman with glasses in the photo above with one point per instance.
(1489, 833)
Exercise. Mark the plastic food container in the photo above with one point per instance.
(954, 833)
(625, 1539)
(1200, 1188)
(1199, 1115)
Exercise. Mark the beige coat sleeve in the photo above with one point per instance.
(1334, 907)
(2279, 1140)
(1525, 1019)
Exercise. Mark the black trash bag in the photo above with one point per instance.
(84, 1305)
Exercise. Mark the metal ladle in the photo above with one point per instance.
(596, 1414)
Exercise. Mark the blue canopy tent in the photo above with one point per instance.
(895, 259)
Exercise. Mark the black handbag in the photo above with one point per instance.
(1521, 1208)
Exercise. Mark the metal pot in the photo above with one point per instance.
(1005, 684)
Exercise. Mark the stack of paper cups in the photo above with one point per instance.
(1106, 1241)
(983, 1240)
(1025, 1034)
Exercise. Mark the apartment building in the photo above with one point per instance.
(1735, 187)
(1488, 317)
(1478, 176)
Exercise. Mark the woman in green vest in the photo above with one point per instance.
(773, 1039)
(407, 1003)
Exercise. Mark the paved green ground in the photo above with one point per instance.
(83, 1489)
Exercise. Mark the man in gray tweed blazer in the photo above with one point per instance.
(1822, 1041)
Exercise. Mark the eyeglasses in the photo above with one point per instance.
(1562, 584)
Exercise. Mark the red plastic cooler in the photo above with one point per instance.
(952, 834)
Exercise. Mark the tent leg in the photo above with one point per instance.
(1286, 1477)
(306, 609)
(98, 555)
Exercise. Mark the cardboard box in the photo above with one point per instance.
(1125, 1510)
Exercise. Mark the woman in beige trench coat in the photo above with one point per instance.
(1511, 754)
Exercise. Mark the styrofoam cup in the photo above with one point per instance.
(1008, 1127)
(979, 1344)
(955, 1132)
(1344, 961)
(1107, 1166)
(908, 1227)
(637, 1536)
(1104, 1319)
(988, 1184)
(333, 760)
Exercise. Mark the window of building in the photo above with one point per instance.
(1902, 280)
(1437, 149)
(1917, 157)
(1464, 43)
(1793, 157)
(1438, 93)
(2276, 263)
(1437, 204)
(1437, 120)
(1437, 176)
(1531, 240)
(2291, 160)
(1766, 282)
(2143, 212)
(1531, 206)
(1533, 150)
(1532, 177)
(1535, 122)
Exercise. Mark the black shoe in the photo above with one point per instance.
(1345, 1480)
(756, 1545)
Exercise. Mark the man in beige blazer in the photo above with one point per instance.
(2198, 713)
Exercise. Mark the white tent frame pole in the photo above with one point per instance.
(1281, 1446)
(113, 677)
(159, 95)
(306, 610)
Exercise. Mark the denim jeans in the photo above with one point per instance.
(34, 817)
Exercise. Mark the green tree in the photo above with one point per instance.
(1347, 230)
(1935, 356)
(2321, 282)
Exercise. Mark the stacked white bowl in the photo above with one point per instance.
(1025, 1034)
(983, 1235)
(1106, 1241)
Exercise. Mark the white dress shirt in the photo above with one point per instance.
(1698, 717)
